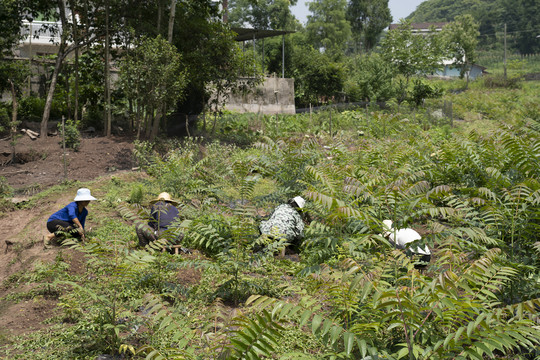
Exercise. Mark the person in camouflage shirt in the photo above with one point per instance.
(285, 222)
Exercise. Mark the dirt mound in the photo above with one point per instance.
(40, 163)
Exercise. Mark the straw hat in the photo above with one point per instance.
(164, 196)
(83, 194)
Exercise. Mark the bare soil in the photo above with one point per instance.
(39, 165)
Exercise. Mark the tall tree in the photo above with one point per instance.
(57, 11)
(262, 14)
(318, 78)
(10, 25)
(411, 54)
(63, 51)
(370, 78)
(327, 27)
(172, 13)
(461, 38)
(212, 57)
(12, 76)
(368, 19)
(523, 19)
(108, 120)
(153, 77)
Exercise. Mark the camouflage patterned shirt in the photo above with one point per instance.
(285, 222)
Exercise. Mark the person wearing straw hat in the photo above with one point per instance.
(285, 222)
(70, 219)
(163, 213)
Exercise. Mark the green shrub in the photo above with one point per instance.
(5, 189)
(73, 136)
(4, 118)
(372, 80)
(136, 195)
(422, 91)
(498, 81)
(31, 108)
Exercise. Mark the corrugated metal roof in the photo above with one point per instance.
(421, 26)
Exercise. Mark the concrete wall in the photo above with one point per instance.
(452, 71)
(274, 96)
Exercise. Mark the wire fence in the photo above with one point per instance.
(438, 112)
(518, 64)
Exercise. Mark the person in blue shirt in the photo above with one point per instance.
(71, 218)
(162, 214)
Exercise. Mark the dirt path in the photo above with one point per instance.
(22, 230)
(21, 249)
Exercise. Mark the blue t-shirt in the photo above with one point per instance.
(70, 212)
(163, 215)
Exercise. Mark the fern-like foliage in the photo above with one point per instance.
(253, 339)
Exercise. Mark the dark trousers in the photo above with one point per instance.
(146, 235)
(61, 227)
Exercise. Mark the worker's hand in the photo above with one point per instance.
(82, 233)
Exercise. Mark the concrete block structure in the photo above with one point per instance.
(274, 96)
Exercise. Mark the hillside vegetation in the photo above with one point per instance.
(468, 182)
(522, 19)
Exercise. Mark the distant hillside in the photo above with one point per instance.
(447, 10)
(521, 16)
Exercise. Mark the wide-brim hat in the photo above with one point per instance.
(299, 201)
(164, 196)
(83, 194)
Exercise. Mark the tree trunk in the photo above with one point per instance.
(76, 65)
(204, 116)
(171, 21)
(138, 113)
(50, 94)
(130, 116)
(159, 15)
(155, 124)
(107, 75)
(225, 11)
(68, 101)
(148, 122)
(138, 120)
(214, 125)
(59, 58)
(13, 127)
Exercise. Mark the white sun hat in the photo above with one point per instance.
(300, 201)
(83, 194)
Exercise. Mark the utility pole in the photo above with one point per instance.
(504, 51)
